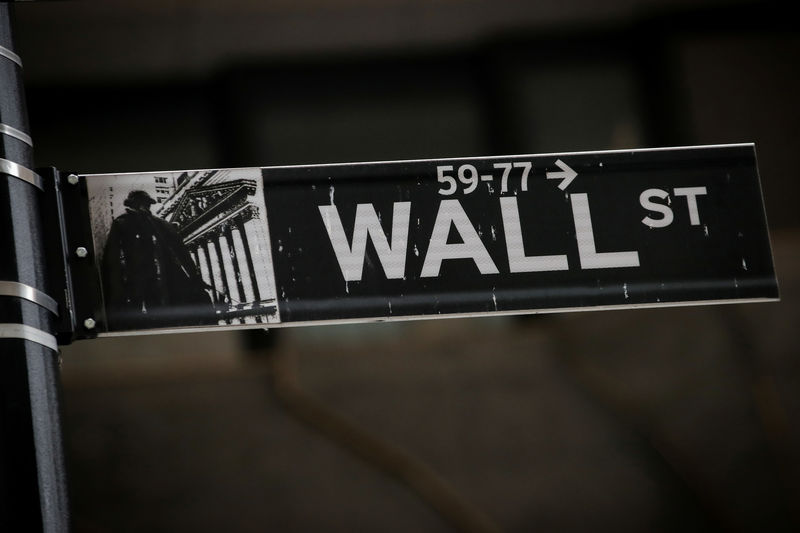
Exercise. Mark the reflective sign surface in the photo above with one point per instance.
(269, 246)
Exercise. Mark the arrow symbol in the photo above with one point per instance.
(566, 175)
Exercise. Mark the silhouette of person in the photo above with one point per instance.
(149, 277)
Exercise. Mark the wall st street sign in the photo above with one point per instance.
(263, 247)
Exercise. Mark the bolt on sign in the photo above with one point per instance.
(291, 245)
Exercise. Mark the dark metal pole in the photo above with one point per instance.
(33, 494)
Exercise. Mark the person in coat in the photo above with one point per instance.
(149, 277)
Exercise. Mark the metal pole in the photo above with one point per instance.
(33, 494)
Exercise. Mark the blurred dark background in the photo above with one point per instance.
(652, 420)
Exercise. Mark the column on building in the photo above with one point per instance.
(238, 257)
(251, 279)
(242, 254)
(204, 264)
(230, 268)
(261, 256)
(234, 257)
(219, 268)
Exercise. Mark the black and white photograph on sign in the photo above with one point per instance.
(187, 248)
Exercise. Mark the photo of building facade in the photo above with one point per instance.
(220, 218)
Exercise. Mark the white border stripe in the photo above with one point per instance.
(406, 318)
(468, 158)
(28, 333)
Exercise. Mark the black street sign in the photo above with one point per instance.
(263, 247)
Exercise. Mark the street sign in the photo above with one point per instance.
(290, 245)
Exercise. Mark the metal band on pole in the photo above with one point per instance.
(5, 52)
(11, 131)
(32, 294)
(23, 173)
(28, 333)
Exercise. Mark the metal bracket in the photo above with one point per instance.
(74, 277)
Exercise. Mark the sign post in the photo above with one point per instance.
(32, 481)
(359, 242)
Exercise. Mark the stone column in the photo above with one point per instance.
(248, 259)
(237, 274)
(225, 289)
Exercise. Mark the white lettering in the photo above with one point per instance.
(451, 212)
(665, 210)
(351, 259)
(517, 261)
(691, 194)
(584, 234)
